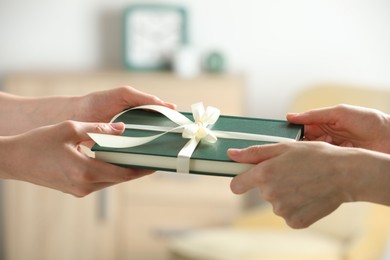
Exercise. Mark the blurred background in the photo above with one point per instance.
(281, 46)
(248, 57)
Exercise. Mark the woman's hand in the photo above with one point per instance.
(21, 114)
(50, 156)
(102, 106)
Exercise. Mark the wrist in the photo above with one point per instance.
(6, 155)
(53, 110)
(387, 131)
(366, 176)
(74, 108)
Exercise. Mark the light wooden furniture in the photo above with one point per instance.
(355, 231)
(131, 220)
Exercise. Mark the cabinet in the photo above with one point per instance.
(131, 220)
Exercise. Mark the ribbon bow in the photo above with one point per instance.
(202, 118)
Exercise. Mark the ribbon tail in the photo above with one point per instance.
(183, 158)
(115, 141)
(173, 115)
(118, 141)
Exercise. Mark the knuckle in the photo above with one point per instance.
(342, 107)
(126, 89)
(297, 222)
(268, 194)
(292, 218)
(70, 126)
(254, 150)
(81, 192)
(101, 128)
(281, 210)
(266, 175)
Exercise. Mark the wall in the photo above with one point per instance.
(282, 46)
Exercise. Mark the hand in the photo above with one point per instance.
(102, 106)
(304, 181)
(50, 156)
(28, 113)
(346, 125)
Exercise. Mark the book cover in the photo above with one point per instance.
(208, 158)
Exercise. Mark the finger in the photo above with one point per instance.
(99, 172)
(78, 131)
(254, 154)
(247, 180)
(86, 189)
(315, 116)
(137, 98)
(259, 155)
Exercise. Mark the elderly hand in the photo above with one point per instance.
(305, 181)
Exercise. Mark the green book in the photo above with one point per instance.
(207, 159)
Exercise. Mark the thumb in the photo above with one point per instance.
(100, 128)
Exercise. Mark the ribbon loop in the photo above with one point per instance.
(202, 119)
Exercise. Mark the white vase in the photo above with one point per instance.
(186, 62)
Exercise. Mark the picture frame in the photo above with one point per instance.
(151, 35)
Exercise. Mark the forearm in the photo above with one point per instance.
(19, 114)
(386, 133)
(6, 157)
(368, 176)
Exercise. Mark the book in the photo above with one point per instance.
(207, 158)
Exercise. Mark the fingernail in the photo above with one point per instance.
(117, 126)
(171, 105)
(293, 114)
(234, 151)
